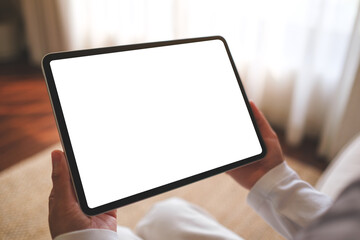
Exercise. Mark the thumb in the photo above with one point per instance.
(62, 187)
(263, 124)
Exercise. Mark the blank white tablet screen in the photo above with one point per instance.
(144, 118)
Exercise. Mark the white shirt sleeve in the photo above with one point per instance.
(286, 202)
(89, 234)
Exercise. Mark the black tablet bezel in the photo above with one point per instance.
(66, 143)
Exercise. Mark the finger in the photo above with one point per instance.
(62, 187)
(263, 124)
(112, 213)
(51, 198)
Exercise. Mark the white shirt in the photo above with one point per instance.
(286, 202)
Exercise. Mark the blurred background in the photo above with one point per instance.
(298, 60)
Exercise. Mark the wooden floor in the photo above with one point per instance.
(27, 124)
(26, 121)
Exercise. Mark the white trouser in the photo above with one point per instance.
(177, 219)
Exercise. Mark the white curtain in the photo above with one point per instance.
(291, 55)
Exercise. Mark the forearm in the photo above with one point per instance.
(286, 202)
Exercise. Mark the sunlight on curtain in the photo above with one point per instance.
(92, 23)
(290, 54)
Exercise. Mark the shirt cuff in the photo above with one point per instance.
(89, 234)
(260, 191)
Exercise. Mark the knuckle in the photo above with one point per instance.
(52, 195)
(55, 176)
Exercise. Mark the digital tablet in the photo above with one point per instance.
(139, 120)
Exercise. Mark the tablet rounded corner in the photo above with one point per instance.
(87, 210)
(221, 38)
(47, 58)
(264, 151)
